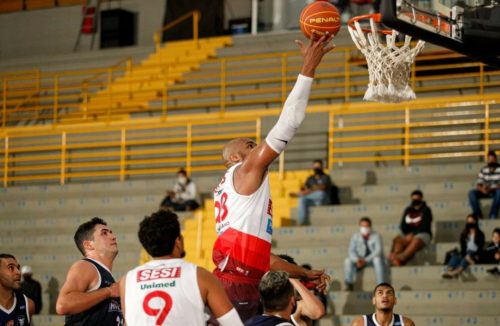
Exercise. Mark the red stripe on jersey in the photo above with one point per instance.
(248, 255)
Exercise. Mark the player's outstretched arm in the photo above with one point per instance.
(74, 298)
(311, 306)
(215, 297)
(255, 165)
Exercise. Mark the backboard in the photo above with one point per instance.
(470, 27)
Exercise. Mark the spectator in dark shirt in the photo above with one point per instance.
(415, 230)
(31, 288)
(471, 246)
(315, 192)
(487, 186)
(491, 254)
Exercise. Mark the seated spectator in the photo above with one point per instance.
(487, 186)
(471, 245)
(365, 249)
(316, 191)
(415, 230)
(278, 300)
(184, 195)
(311, 303)
(31, 288)
(491, 254)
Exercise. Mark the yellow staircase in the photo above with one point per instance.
(146, 82)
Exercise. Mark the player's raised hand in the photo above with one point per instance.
(314, 52)
(320, 279)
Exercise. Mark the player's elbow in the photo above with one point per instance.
(317, 312)
(62, 307)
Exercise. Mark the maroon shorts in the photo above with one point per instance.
(242, 292)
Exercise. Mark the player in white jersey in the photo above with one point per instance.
(169, 290)
(384, 300)
(243, 207)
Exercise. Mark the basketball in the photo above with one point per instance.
(320, 16)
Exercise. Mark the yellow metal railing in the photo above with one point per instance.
(224, 85)
(196, 19)
(425, 129)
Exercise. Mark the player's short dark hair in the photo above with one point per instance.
(275, 290)
(318, 161)
(6, 256)
(385, 285)
(86, 232)
(288, 259)
(365, 219)
(158, 232)
(417, 193)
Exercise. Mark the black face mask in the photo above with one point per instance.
(469, 226)
(492, 165)
(416, 202)
(318, 171)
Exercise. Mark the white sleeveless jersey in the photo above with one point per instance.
(244, 227)
(164, 292)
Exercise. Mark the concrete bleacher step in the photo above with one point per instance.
(383, 213)
(434, 303)
(387, 175)
(318, 236)
(435, 320)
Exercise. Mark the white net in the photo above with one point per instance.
(389, 66)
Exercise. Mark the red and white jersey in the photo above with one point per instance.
(164, 292)
(244, 227)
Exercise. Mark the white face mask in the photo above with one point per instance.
(364, 230)
(182, 180)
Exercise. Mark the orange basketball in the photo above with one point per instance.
(320, 16)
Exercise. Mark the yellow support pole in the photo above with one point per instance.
(347, 76)
(85, 99)
(331, 125)
(189, 147)
(283, 77)
(164, 98)
(222, 86)
(123, 149)
(486, 129)
(63, 157)
(4, 103)
(129, 71)
(481, 78)
(6, 163)
(55, 112)
(258, 129)
(196, 17)
(407, 138)
(110, 95)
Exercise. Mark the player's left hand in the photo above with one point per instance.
(320, 279)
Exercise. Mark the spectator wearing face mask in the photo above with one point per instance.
(487, 186)
(491, 254)
(365, 249)
(184, 196)
(471, 246)
(316, 191)
(415, 230)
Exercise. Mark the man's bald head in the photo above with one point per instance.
(236, 150)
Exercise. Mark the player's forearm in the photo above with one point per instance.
(292, 115)
(312, 307)
(76, 302)
(295, 271)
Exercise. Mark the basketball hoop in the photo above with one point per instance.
(388, 65)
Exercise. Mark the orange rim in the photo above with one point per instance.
(376, 18)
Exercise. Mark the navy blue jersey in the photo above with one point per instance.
(264, 320)
(105, 313)
(370, 320)
(18, 315)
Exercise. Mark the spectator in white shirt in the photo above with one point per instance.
(184, 195)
